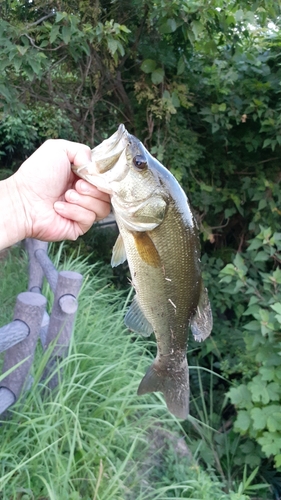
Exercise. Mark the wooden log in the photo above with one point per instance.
(62, 319)
(35, 271)
(7, 398)
(44, 328)
(48, 267)
(11, 334)
(29, 308)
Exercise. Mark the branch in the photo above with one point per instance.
(41, 20)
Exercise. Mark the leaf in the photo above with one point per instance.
(262, 204)
(121, 49)
(270, 443)
(273, 390)
(261, 256)
(253, 300)
(3, 64)
(124, 28)
(261, 392)
(222, 107)
(276, 307)
(229, 212)
(34, 62)
(259, 417)
(148, 65)
(169, 26)
(267, 374)
(253, 326)
(181, 66)
(267, 142)
(239, 15)
(229, 269)
(255, 244)
(60, 16)
(252, 310)
(277, 460)
(243, 421)
(17, 62)
(66, 34)
(112, 45)
(157, 76)
(4, 91)
(197, 28)
(215, 127)
(240, 396)
(175, 100)
(54, 33)
(22, 49)
(239, 263)
(205, 187)
(274, 422)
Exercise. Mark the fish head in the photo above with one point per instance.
(139, 180)
(122, 167)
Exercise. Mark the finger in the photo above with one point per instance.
(77, 153)
(83, 217)
(84, 187)
(100, 207)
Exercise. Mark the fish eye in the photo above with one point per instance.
(140, 162)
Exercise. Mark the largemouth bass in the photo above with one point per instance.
(159, 238)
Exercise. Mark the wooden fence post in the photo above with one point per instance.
(11, 334)
(30, 309)
(18, 338)
(35, 271)
(62, 319)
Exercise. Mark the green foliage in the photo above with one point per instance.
(20, 135)
(93, 437)
(254, 279)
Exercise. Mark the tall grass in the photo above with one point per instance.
(91, 438)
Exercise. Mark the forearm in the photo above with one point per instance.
(12, 214)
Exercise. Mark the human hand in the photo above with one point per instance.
(49, 199)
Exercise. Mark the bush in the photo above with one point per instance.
(254, 282)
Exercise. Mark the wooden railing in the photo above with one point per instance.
(31, 321)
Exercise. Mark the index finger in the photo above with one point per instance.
(77, 153)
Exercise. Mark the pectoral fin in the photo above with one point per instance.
(202, 322)
(136, 321)
(146, 249)
(118, 252)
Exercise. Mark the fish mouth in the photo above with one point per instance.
(104, 157)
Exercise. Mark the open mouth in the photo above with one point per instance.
(104, 157)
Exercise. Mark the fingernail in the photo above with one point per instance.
(84, 186)
(73, 195)
(58, 205)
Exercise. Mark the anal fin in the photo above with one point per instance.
(202, 322)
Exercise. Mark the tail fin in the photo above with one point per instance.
(174, 384)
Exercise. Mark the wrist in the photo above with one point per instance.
(13, 217)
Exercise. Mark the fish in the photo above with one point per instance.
(159, 237)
